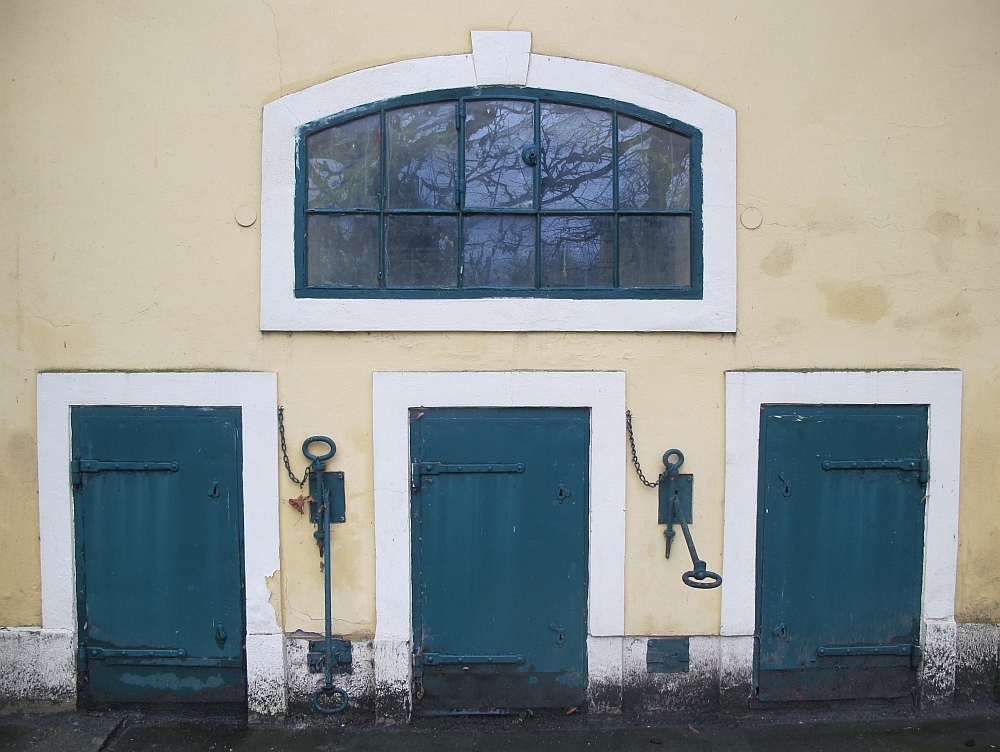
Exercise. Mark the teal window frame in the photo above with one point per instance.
(694, 291)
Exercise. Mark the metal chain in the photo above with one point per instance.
(284, 450)
(635, 457)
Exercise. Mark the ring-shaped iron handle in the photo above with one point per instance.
(330, 691)
(691, 579)
(319, 440)
(672, 467)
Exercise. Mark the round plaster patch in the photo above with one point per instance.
(751, 218)
(245, 216)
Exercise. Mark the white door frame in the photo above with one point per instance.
(941, 392)
(256, 394)
(393, 396)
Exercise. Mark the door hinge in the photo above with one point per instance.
(921, 466)
(437, 659)
(838, 651)
(420, 469)
(79, 467)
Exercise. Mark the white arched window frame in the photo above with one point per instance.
(498, 58)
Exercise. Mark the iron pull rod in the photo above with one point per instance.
(700, 567)
(318, 470)
(328, 688)
(697, 576)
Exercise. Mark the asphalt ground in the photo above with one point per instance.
(41, 730)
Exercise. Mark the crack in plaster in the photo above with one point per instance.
(277, 48)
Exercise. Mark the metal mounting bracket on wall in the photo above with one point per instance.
(676, 493)
(326, 506)
(317, 659)
(671, 655)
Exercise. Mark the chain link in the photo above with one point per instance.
(635, 457)
(284, 450)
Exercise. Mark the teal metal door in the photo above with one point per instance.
(159, 553)
(499, 510)
(840, 550)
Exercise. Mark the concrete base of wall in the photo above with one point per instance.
(40, 664)
(961, 662)
(37, 664)
(266, 682)
(360, 683)
(977, 670)
(720, 673)
(937, 666)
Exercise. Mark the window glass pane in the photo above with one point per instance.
(499, 252)
(343, 165)
(420, 251)
(654, 251)
(654, 167)
(577, 251)
(422, 156)
(576, 158)
(343, 250)
(496, 175)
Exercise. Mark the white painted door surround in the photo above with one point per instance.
(393, 396)
(256, 396)
(941, 391)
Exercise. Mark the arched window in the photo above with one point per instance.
(499, 192)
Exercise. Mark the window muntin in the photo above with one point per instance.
(452, 204)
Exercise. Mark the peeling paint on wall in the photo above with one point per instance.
(273, 583)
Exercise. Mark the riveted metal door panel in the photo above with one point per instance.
(500, 541)
(840, 550)
(158, 506)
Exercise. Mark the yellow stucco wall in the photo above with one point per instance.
(867, 137)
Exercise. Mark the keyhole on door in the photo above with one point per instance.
(780, 632)
(213, 490)
(563, 493)
(560, 638)
(220, 634)
(788, 489)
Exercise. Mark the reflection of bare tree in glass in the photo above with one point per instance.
(420, 251)
(343, 250)
(343, 165)
(576, 251)
(499, 251)
(654, 250)
(422, 156)
(577, 172)
(654, 167)
(496, 175)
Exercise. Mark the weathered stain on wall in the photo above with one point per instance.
(778, 263)
(865, 304)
